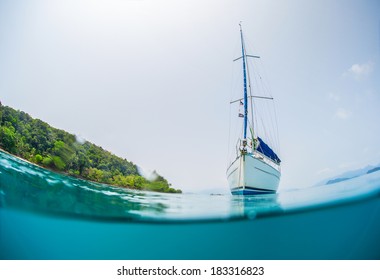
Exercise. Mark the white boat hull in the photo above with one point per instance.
(253, 175)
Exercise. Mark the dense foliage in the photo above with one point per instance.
(38, 142)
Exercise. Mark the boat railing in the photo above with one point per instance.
(267, 160)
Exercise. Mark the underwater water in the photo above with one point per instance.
(45, 215)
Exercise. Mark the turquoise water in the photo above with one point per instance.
(44, 215)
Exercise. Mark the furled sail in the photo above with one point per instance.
(267, 151)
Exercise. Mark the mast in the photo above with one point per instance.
(245, 84)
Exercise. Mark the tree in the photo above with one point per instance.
(63, 151)
(38, 158)
(8, 138)
(58, 163)
(95, 174)
(47, 161)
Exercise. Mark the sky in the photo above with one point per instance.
(150, 80)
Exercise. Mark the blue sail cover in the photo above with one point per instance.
(267, 151)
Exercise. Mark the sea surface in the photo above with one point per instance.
(45, 215)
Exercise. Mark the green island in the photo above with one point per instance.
(60, 151)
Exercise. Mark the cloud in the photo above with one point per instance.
(359, 71)
(342, 114)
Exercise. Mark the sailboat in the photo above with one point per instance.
(255, 169)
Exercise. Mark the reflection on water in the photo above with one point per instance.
(26, 186)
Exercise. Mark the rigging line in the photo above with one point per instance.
(235, 80)
(275, 127)
(266, 87)
(259, 66)
(265, 131)
(230, 112)
(252, 134)
(234, 132)
(257, 109)
(237, 134)
(271, 138)
(266, 113)
(250, 93)
(272, 123)
(256, 123)
(264, 84)
(266, 78)
(229, 137)
(277, 131)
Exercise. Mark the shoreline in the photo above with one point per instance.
(70, 176)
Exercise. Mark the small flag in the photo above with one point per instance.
(241, 115)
